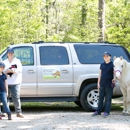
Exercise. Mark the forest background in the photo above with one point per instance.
(27, 21)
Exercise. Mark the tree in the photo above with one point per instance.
(83, 19)
(25, 21)
(101, 20)
(117, 21)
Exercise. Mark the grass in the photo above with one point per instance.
(117, 104)
(58, 106)
(117, 107)
(48, 106)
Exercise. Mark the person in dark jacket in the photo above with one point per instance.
(4, 90)
(105, 80)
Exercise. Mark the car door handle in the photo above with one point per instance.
(31, 71)
(65, 71)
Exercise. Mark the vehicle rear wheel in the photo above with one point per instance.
(89, 97)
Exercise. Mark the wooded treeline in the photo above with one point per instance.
(25, 21)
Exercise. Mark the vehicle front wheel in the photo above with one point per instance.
(89, 97)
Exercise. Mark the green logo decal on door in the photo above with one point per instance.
(51, 73)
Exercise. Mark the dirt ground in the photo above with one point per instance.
(62, 117)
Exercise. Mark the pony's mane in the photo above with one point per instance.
(125, 62)
(126, 65)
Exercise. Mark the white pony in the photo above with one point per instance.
(122, 73)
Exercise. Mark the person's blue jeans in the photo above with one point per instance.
(3, 99)
(14, 90)
(105, 93)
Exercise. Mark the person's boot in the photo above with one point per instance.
(9, 116)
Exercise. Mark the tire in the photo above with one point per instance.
(89, 97)
(78, 103)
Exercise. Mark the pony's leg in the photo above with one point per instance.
(128, 100)
(124, 100)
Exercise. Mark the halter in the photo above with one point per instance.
(118, 71)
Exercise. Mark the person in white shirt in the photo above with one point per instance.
(13, 69)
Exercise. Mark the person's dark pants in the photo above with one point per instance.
(105, 93)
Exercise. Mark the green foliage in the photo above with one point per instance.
(62, 21)
(118, 27)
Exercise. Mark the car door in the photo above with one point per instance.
(55, 73)
(26, 54)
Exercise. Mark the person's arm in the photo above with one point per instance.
(114, 77)
(7, 66)
(9, 71)
(99, 78)
(6, 88)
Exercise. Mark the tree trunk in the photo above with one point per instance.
(47, 18)
(83, 18)
(101, 20)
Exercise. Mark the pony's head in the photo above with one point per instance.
(119, 65)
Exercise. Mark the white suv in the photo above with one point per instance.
(63, 71)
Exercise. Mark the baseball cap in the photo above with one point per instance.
(107, 53)
(2, 64)
(10, 50)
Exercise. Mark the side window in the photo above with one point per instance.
(93, 54)
(25, 54)
(53, 55)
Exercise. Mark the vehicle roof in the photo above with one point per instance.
(55, 43)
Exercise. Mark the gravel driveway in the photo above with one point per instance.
(64, 118)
